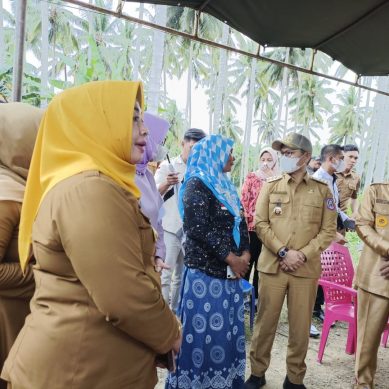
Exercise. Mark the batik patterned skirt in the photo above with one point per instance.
(212, 354)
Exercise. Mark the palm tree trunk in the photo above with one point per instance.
(377, 127)
(154, 89)
(135, 71)
(286, 106)
(365, 139)
(283, 88)
(53, 70)
(357, 114)
(257, 146)
(90, 33)
(164, 87)
(188, 108)
(382, 155)
(221, 82)
(296, 117)
(2, 41)
(249, 122)
(44, 52)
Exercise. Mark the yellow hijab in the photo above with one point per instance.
(84, 128)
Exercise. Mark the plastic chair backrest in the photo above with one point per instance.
(337, 266)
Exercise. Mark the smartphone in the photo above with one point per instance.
(349, 224)
(230, 274)
(168, 361)
(171, 169)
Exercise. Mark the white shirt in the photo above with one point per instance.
(321, 174)
(171, 221)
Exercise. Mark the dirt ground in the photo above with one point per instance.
(336, 371)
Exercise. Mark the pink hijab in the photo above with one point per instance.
(274, 168)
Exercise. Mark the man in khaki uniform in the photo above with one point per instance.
(372, 280)
(348, 181)
(295, 220)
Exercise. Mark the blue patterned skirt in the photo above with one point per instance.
(213, 353)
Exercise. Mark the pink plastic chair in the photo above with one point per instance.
(385, 336)
(340, 298)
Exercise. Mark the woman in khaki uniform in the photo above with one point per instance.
(18, 127)
(97, 317)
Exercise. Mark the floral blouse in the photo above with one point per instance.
(250, 191)
(208, 227)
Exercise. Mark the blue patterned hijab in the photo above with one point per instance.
(206, 162)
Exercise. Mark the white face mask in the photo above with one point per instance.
(264, 166)
(161, 153)
(289, 164)
(339, 166)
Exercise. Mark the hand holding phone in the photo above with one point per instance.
(349, 224)
(172, 177)
(230, 274)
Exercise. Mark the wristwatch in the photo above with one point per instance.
(282, 253)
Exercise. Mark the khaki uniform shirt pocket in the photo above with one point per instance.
(279, 206)
(312, 210)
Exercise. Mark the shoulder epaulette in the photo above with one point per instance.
(319, 180)
(380, 183)
(275, 178)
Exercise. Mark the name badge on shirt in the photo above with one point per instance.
(330, 204)
(277, 209)
(381, 221)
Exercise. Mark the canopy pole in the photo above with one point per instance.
(20, 33)
(218, 45)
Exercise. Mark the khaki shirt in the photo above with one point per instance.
(348, 186)
(16, 289)
(372, 224)
(301, 217)
(97, 318)
(171, 221)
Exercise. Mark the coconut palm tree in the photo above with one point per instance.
(44, 8)
(348, 122)
(7, 44)
(221, 81)
(154, 85)
(249, 120)
(192, 53)
(2, 40)
(378, 160)
(310, 104)
(365, 137)
(267, 126)
(282, 77)
(375, 133)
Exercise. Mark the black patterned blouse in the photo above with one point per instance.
(208, 227)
